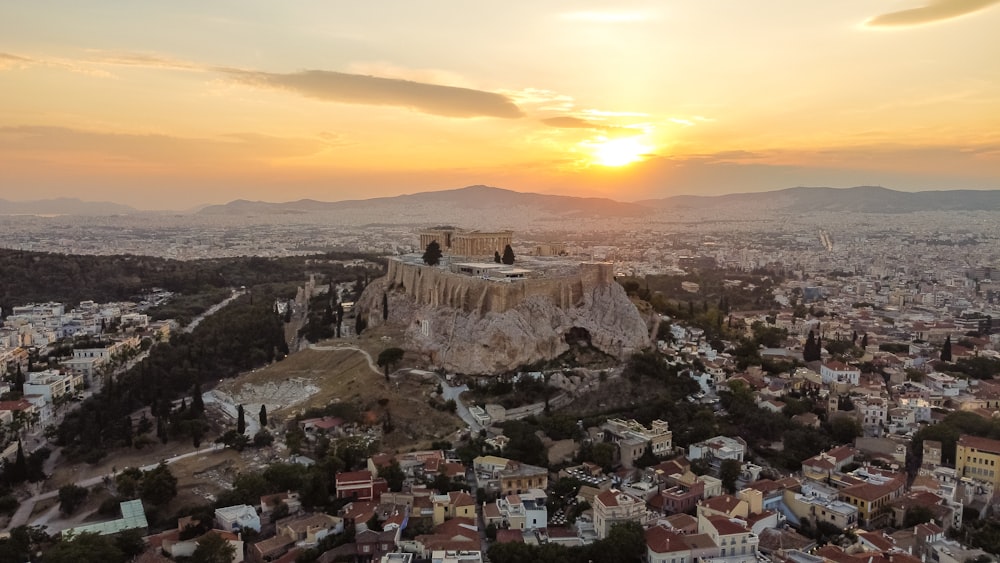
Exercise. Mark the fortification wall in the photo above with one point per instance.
(430, 285)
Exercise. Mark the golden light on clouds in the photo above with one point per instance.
(635, 99)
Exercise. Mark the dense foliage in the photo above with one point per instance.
(42, 276)
(625, 542)
(239, 337)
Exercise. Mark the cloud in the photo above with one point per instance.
(8, 60)
(146, 60)
(154, 149)
(933, 11)
(449, 101)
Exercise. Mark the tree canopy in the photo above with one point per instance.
(432, 254)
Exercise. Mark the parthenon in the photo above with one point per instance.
(466, 243)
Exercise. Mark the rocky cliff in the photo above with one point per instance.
(475, 325)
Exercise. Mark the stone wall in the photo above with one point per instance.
(430, 285)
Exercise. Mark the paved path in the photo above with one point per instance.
(24, 511)
(213, 310)
(454, 393)
(371, 362)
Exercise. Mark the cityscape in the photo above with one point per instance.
(451, 282)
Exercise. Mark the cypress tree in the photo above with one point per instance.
(241, 420)
(20, 472)
(864, 340)
(197, 403)
(385, 306)
(496, 257)
(161, 430)
(508, 255)
(946, 349)
(263, 416)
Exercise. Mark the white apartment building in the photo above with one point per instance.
(51, 384)
(720, 448)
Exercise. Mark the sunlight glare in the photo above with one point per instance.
(619, 152)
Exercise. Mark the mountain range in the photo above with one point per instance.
(534, 206)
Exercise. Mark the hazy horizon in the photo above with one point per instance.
(173, 106)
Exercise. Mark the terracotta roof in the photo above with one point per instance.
(351, 476)
(722, 503)
(663, 540)
(726, 526)
(510, 536)
(981, 444)
(877, 540)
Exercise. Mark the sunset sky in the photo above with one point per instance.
(166, 105)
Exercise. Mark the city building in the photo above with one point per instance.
(632, 438)
(612, 507)
(978, 458)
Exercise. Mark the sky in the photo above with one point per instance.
(169, 105)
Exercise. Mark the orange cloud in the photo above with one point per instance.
(934, 11)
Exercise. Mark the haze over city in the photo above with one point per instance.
(168, 106)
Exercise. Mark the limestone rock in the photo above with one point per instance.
(471, 325)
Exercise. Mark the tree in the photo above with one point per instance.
(385, 306)
(729, 471)
(432, 254)
(491, 531)
(85, 548)
(197, 402)
(213, 548)
(159, 486)
(388, 358)
(508, 255)
(844, 429)
(241, 420)
(946, 349)
(603, 454)
(70, 498)
(864, 340)
(263, 416)
(394, 476)
(811, 352)
(917, 515)
(496, 257)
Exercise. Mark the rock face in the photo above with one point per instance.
(474, 325)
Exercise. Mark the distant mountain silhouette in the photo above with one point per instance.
(861, 199)
(472, 197)
(63, 206)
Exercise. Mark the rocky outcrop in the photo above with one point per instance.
(480, 326)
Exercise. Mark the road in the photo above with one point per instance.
(27, 506)
(454, 393)
(213, 310)
(23, 512)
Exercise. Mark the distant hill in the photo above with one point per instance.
(479, 198)
(861, 199)
(63, 206)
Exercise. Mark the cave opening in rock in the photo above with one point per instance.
(578, 336)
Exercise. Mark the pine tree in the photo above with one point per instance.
(241, 420)
(946, 349)
(263, 416)
(508, 255)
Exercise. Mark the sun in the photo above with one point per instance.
(618, 152)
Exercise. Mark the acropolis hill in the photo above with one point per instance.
(483, 318)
